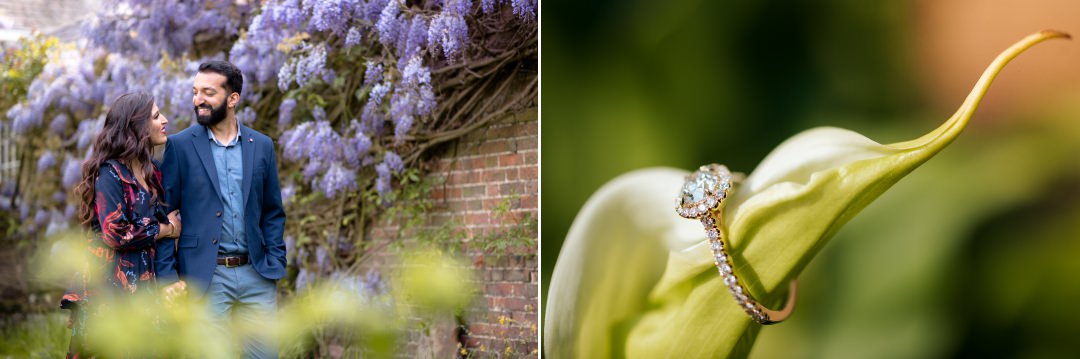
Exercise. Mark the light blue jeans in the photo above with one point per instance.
(240, 296)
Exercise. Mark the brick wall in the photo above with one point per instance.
(477, 173)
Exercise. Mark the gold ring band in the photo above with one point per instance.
(702, 198)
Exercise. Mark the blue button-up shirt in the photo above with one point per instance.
(230, 172)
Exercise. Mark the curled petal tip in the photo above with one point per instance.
(1049, 34)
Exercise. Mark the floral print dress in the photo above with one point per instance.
(126, 223)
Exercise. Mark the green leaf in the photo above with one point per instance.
(634, 279)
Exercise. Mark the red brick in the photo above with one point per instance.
(531, 291)
(493, 147)
(496, 304)
(519, 304)
(491, 161)
(457, 205)
(458, 178)
(454, 193)
(492, 175)
(480, 329)
(529, 157)
(527, 143)
(529, 201)
(505, 289)
(527, 128)
(443, 164)
(516, 275)
(473, 191)
(476, 219)
(509, 160)
(493, 190)
(476, 163)
(528, 173)
(524, 318)
(476, 205)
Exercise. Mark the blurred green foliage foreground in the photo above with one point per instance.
(340, 313)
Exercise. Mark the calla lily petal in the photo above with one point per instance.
(635, 279)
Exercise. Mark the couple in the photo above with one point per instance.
(218, 176)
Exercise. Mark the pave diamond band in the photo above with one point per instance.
(702, 198)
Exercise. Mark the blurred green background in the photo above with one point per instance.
(977, 253)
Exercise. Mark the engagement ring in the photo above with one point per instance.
(702, 198)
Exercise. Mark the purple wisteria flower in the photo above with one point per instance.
(318, 113)
(415, 39)
(357, 147)
(294, 142)
(285, 76)
(415, 73)
(327, 15)
(324, 143)
(290, 249)
(322, 259)
(69, 211)
(524, 9)
(59, 124)
(287, 193)
(458, 7)
(382, 179)
(87, 131)
(41, 217)
(71, 172)
(488, 6)
(353, 37)
(393, 162)
(285, 112)
(311, 170)
(329, 76)
(23, 118)
(24, 211)
(450, 33)
(312, 66)
(47, 161)
(388, 26)
(402, 125)
(59, 197)
(303, 280)
(286, 14)
(247, 116)
(372, 10)
(373, 72)
(337, 179)
(378, 92)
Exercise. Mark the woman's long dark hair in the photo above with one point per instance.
(124, 137)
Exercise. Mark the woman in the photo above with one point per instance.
(121, 202)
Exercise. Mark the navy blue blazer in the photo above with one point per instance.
(190, 182)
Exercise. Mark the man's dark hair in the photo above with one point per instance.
(234, 79)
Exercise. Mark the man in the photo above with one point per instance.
(223, 178)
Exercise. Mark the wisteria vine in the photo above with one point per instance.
(354, 91)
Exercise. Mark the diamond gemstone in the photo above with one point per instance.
(698, 185)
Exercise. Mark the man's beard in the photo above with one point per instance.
(216, 115)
